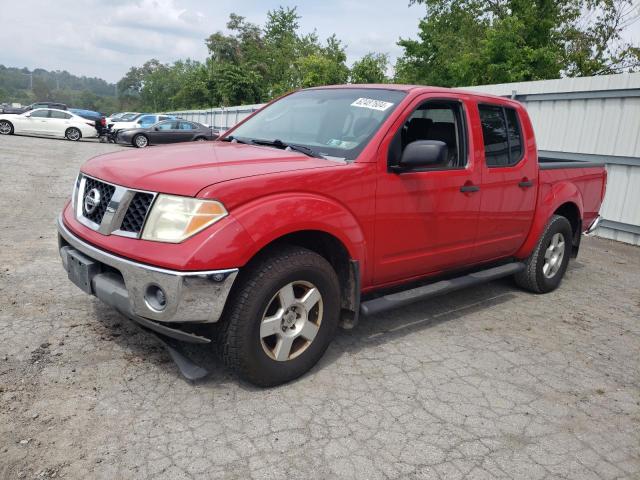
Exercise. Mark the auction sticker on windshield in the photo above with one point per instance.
(372, 104)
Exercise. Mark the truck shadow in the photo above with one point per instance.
(370, 332)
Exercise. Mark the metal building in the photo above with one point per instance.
(591, 118)
(588, 118)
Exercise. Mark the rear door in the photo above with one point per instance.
(59, 122)
(186, 131)
(426, 220)
(163, 132)
(509, 182)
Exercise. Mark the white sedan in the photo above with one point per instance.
(48, 122)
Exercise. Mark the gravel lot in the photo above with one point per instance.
(491, 382)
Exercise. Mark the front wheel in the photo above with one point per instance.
(5, 127)
(140, 141)
(281, 317)
(546, 266)
(73, 134)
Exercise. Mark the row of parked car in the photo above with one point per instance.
(52, 119)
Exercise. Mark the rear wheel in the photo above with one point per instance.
(200, 139)
(140, 141)
(5, 127)
(73, 134)
(546, 266)
(282, 317)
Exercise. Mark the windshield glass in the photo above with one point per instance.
(334, 122)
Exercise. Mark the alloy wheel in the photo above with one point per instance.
(553, 256)
(291, 321)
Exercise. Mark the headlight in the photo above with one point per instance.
(174, 219)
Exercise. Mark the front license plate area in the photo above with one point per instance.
(81, 270)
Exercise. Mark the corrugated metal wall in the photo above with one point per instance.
(574, 118)
(220, 118)
(591, 118)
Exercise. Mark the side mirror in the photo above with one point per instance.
(423, 153)
(156, 129)
(27, 115)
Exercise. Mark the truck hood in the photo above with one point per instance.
(187, 168)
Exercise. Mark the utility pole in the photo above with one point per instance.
(30, 75)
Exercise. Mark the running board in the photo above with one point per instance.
(407, 297)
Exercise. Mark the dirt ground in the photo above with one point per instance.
(490, 382)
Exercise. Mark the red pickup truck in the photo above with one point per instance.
(326, 205)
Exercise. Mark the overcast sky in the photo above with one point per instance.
(104, 38)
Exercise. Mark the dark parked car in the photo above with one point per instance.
(33, 106)
(167, 131)
(99, 119)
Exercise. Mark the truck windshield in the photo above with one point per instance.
(337, 122)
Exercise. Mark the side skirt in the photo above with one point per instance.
(407, 297)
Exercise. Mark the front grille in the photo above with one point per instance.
(105, 192)
(136, 213)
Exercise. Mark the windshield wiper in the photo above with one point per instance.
(231, 138)
(292, 146)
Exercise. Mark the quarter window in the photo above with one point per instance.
(502, 136)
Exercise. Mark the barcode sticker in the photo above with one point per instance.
(372, 104)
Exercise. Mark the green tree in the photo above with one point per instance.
(372, 68)
(41, 90)
(471, 42)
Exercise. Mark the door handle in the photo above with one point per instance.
(469, 188)
(525, 183)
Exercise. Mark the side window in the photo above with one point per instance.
(515, 136)
(147, 120)
(62, 115)
(40, 113)
(434, 120)
(501, 134)
(166, 126)
(186, 126)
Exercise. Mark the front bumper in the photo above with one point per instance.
(128, 286)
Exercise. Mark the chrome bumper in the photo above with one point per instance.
(128, 286)
(593, 227)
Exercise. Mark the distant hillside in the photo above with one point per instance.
(82, 92)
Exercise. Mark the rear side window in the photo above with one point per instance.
(502, 136)
(187, 126)
(56, 114)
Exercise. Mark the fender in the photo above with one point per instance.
(550, 198)
(268, 218)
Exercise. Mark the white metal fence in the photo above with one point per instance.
(219, 118)
(589, 118)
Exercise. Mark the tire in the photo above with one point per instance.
(6, 128)
(140, 141)
(546, 266)
(73, 134)
(199, 139)
(254, 337)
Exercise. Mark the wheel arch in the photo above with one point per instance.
(332, 249)
(562, 198)
(73, 128)
(13, 127)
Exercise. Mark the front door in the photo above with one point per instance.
(36, 122)
(426, 220)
